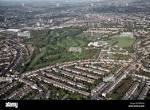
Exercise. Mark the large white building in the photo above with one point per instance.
(13, 30)
(97, 44)
(24, 34)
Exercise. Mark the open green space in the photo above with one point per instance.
(52, 46)
(121, 89)
(125, 42)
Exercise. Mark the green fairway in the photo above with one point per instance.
(52, 46)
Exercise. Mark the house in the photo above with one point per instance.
(75, 49)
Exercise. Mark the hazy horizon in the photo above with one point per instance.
(75, 0)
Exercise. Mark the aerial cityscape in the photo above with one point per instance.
(74, 50)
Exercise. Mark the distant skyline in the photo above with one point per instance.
(75, 0)
(109, 2)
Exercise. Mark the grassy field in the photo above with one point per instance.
(122, 41)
